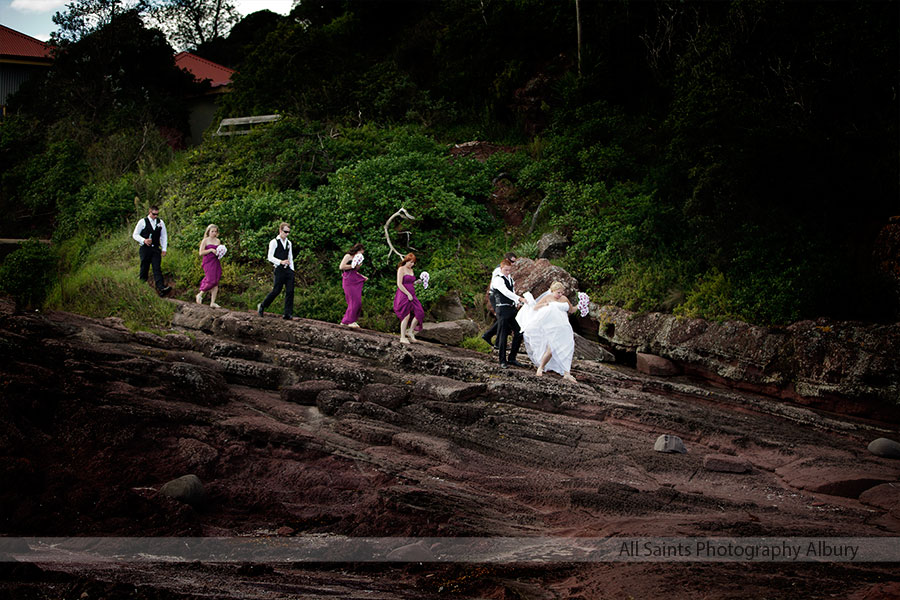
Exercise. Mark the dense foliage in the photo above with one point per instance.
(27, 273)
(725, 160)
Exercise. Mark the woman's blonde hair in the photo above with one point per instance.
(557, 286)
(206, 233)
(408, 258)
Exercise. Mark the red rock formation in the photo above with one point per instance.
(845, 367)
(309, 429)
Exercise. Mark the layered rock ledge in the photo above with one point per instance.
(306, 428)
(844, 367)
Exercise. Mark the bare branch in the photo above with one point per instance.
(400, 213)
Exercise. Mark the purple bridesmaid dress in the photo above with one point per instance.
(212, 270)
(353, 287)
(403, 305)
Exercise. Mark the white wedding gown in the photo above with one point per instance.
(548, 327)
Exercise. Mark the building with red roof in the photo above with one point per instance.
(203, 108)
(21, 57)
(219, 77)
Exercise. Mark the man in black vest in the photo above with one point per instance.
(488, 335)
(506, 301)
(282, 256)
(150, 233)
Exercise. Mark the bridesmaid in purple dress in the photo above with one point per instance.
(406, 305)
(353, 284)
(212, 268)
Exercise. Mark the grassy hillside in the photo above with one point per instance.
(729, 160)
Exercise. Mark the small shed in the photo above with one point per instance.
(203, 108)
(21, 58)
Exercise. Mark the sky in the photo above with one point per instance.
(35, 17)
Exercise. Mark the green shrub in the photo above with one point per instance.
(98, 290)
(109, 206)
(647, 285)
(97, 207)
(27, 274)
(607, 226)
(526, 249)
(184, 266)
(712, 297)
(126, 151)
(323, 302)
(100, 280)
(54, 176)
(74, 250)
(476, 343)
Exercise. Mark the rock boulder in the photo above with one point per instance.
(656, 365)
(329, 401)
(535, 276)
(187, 489)
(670, 444)
(847, 367)
(885, 447)
(588, 350)
(444, 388)
(448, 308)
(451, 333)
(552, 245)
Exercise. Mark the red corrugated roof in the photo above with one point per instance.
(202, 69)
(18, 45)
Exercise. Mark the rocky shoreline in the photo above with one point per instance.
(843, 367)
(311, 429)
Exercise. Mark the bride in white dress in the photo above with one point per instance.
(549, 339)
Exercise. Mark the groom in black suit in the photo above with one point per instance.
(282, 256)
(488, 336)
(507, 300)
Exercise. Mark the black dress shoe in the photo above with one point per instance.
(515, 363)
(165, 290)
(504, 366)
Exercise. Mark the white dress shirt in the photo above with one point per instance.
(277, 261)
(163, 236)
(497, 283)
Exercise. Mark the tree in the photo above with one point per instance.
(190, 23)
(243, 38)
(120, 75)
(83, 17)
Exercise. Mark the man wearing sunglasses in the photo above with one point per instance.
(281, 254)
(150, 233)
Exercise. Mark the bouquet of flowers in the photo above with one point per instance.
(221, 250)
(357, 260)
(584, 304)
(424, 277)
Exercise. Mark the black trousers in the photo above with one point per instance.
(284, 278)
(152, 257)
(506, 324)
(492, 331)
